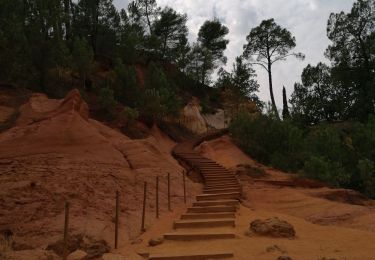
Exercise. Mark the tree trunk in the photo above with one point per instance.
(271, 90)
(67, 19)
(164, 47)
(148, 18)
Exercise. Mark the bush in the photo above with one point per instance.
(129, 115)
(159, 99)
(270, 141)
(323, 169)
(127, 90)
(367, 173)
(107, 101)
(339, 154)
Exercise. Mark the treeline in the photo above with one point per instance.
(124, 56)
(344, 89)
(37, 36)
(328, 133)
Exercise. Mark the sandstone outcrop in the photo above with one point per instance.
(56, 153)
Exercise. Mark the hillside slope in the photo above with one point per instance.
(56, 153)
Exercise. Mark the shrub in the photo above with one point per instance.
(130, 115)
(107, 101)
(339, 154)
(270, 141)
(367, 173)
(318, 167)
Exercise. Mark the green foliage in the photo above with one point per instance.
(127, 90)
(270, 141)
(159, 98)
(106, 100)
(171, 31)
(318, 98)
(339, 155)
(367, 173)
(208, 52)
(363, 139)
(82, 55)
(97, 21)
(130, 115)
(145, 12)
(240, 82)
(323, 169)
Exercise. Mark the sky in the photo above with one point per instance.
(305, 19)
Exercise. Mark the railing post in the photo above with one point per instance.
(144, 206)
(184, 182)
(169, 191)
(66, 230)
(117, 218)
(157, 197)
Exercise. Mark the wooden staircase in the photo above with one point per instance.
(215, 208)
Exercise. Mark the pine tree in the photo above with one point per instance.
(286, 114)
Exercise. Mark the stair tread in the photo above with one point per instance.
(217, 194)
(199, 232)
(208, 206)
(204, 220)
(189, 255)
(209, 213)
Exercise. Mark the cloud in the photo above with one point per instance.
(305, 19)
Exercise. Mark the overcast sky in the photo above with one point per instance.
(305, 19)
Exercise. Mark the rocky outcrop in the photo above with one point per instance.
(272, 227)
(218, 120)
(192, 119)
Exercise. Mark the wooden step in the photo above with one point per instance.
(225, 190)
(206, 163)
(217, 174)
(216, 203)
(222, 186)
(208, 209)
(222, 182)
(192, 256)
(219, 196)
(201, 223)
(198, 236)
(220, 178)
(208, 215)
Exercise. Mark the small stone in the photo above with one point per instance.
(155, 241)
(77, 255)
(284, 257)
(273, 227)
